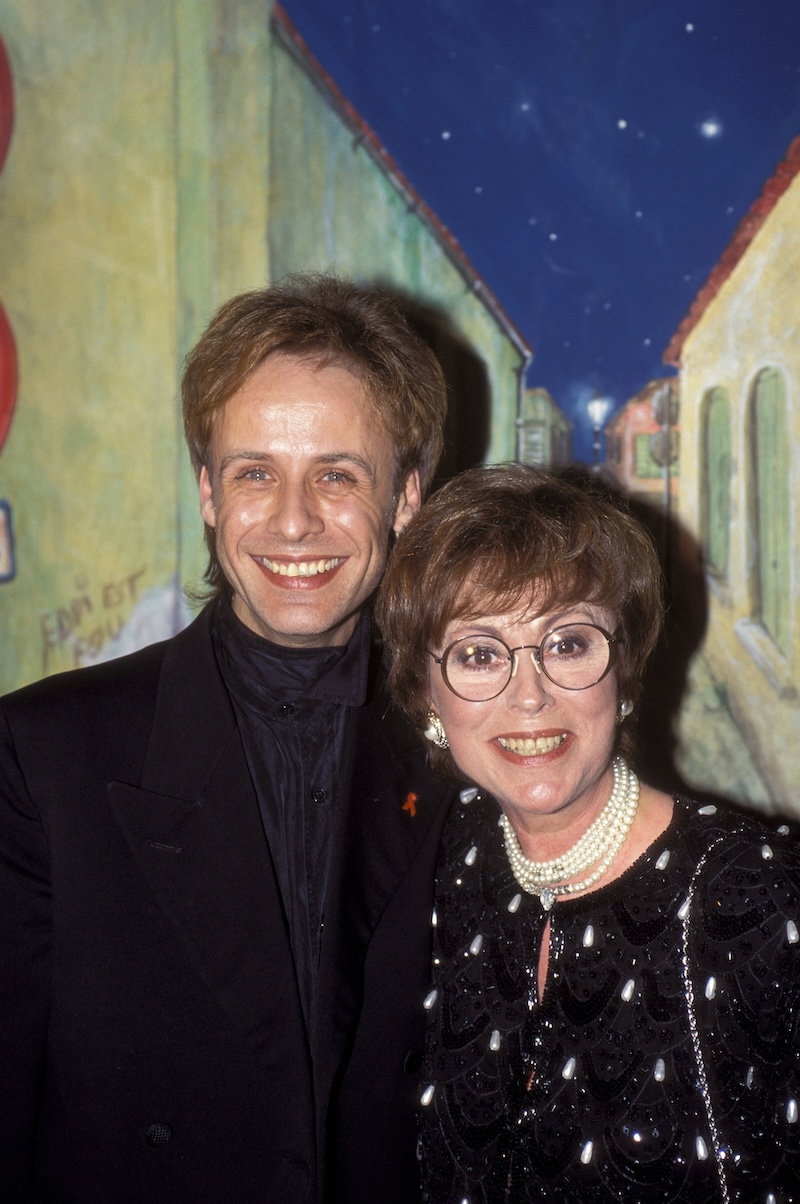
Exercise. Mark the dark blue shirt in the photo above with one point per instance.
(293, 706)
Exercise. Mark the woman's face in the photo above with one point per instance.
(538, 748)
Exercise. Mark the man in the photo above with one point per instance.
(217, 855)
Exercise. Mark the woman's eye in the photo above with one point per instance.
(568, 645)
(480, 656)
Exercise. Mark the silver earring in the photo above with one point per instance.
(435, 731)
(625, 708)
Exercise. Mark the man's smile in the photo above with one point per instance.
(300, 568)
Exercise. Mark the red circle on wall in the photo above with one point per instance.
(8, 375)
(6, 103)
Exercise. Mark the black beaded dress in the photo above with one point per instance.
(662, 1062)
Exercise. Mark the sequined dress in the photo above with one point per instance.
(663, 1060)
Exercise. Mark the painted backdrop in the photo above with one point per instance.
(591, 211)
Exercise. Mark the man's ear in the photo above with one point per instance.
(206, 498)
(409, 501)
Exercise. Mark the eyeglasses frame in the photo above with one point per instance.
(536, 660)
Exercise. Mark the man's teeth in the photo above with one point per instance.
(300, 568)
(532, 748)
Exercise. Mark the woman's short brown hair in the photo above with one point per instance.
(328, 321)
(500, 539)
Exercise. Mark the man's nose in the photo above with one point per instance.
(295, 513)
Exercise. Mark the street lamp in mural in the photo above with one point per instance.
(597, 409)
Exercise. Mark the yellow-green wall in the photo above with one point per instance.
(753, 323)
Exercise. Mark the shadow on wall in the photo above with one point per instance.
(685, 622)
(466, 436)
(667, 679)
(666, 682)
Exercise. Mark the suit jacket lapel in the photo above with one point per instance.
(395, 808)
(195, 830)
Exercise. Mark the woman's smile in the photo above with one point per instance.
(527, 747)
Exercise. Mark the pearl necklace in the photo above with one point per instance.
(600, 843)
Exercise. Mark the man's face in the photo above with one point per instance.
(299, 488)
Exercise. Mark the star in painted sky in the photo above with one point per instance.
(593, 160)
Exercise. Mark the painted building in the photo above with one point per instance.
(738, 351)
(643, 443)
(545, 432)
(367, 221)
(155, 156)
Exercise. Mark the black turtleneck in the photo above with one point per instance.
(292, 707)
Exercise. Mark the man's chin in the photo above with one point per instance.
(299, 626)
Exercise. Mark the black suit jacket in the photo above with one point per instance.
(152, 1044)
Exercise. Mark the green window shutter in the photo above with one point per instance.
(716, 483)
(771, 504)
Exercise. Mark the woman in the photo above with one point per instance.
(615, 994)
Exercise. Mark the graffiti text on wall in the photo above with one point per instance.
(76, 632)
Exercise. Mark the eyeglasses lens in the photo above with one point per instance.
(575, 657)
(477, 667)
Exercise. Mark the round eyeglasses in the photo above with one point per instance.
(575, 657)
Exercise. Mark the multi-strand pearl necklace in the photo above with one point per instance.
(600, 843)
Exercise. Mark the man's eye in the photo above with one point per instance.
(255, 474)
(337, 477)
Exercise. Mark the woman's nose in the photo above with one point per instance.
(528, 686)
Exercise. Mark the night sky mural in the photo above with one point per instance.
(592, 159)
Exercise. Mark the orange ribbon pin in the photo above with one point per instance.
(410, 804)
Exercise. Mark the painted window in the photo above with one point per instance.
(534, 443)
(770, 480)
(716, 481)
(646, 465)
